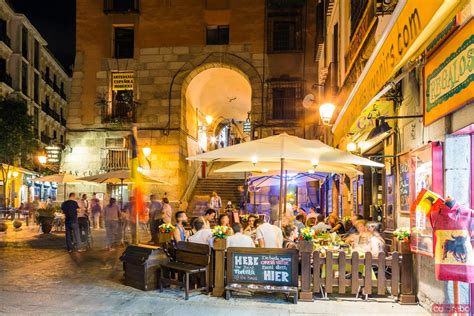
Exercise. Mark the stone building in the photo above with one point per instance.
(189, 74)
(29, 71)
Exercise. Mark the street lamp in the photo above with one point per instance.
(254, 160)
(209, 119)
(326, 111)
(147, 153)
(42, 159)
(351, 147)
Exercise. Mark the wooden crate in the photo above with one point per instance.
(141, 266)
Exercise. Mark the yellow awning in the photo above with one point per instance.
(412, 26)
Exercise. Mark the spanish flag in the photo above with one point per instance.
(138, 206)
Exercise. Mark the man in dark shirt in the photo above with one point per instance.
(69, 209)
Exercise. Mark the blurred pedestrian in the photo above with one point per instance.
(83, 218)
(70, 208)
(216, 202)
(112, 220)
(167, 211)
(155, 208)
(95, 210)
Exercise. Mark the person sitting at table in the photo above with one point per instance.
(352, 229)
(336, 225)
(321, 226)
(180, 233)
(268, 235)
(312, 213)
(310, 222)
(290, 234)
(225, 221)
(251, 229)
(208, 217)
(365, 241)
(299, 221)
(202, 235)
(375, 229)
(238, 239)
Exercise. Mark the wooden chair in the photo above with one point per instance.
(192, 259)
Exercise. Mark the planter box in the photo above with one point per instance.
(402, 247)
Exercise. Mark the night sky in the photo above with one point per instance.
(55, 20)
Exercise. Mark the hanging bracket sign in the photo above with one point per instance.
(247, 127)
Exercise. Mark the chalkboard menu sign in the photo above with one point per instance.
(262, 266)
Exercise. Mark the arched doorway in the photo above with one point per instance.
(220, 99)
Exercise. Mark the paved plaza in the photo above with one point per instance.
(39, 277)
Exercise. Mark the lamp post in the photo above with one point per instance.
(326, 111)
(147, 154)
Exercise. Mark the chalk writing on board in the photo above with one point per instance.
(262, 268)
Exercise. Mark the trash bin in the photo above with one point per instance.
(141, 266)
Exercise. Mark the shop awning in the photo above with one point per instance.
(412, 26)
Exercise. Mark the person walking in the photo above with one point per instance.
(155, 208)
(167, 211)
(112, 219)
(216, 202)
(70, 208)
(95, 210)
(83, 218)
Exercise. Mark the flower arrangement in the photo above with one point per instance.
(221, 232)
(306, 234)
(244, 218)
(402, 233)
(346, 219)
(166, 228)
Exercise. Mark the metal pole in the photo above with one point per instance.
(282, 167)
(286, 192)
(121, 194)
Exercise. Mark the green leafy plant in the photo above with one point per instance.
(402, 233)
(17, 141)
(306, 234)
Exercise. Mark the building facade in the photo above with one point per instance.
(189, 82)
(29, 71)
(401, 93)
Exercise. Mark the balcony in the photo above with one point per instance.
(63, 121)
(45, 139)
(4, 38)
(119, 112)
(121, 6)
(331, 83)
(114, 159)
(49, 111)
(6, 79)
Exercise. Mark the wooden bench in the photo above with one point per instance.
(288, 290)
(191, 259)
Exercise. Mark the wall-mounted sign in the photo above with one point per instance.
(53, 154)
(387, 60)
(449, 76)
(247, 127)
(366, 120)
(122, 81)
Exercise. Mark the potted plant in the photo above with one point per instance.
(45, 218)
(220, 234)
(347, 222)
(401, 239)
(166, 231)
(17, 224)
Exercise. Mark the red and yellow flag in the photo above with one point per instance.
(138, 206)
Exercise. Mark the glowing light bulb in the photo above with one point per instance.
(254, 160)
(351, 147)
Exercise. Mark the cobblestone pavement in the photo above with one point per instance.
(39, 277)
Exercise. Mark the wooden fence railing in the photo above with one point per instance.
(354, 274)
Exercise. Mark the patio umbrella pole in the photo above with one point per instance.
(286, 192)
(121, 194)
(65, 197)
(282, 167)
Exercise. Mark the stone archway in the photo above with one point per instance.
(195, 66)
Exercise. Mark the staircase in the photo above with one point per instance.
(225, 184)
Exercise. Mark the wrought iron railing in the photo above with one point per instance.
(119, 112)
(115, 158)
(121, 6)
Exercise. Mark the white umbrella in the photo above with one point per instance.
(281, 148)
(120, 177)
(293, 166)
(63, 178)
(271, 180)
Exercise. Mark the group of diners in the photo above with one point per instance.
(363, 236)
